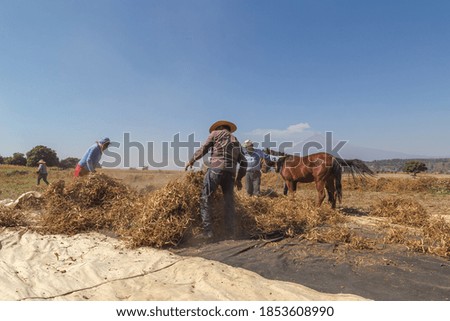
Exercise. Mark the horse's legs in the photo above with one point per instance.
(291, 186)
(331, 192)
(320, 186)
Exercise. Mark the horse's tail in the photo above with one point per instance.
(356, 167)
(337, 171)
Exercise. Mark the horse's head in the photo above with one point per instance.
(279, 163)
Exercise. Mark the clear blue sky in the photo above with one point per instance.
(376, 73)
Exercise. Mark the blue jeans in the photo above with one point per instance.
(253, 182)
(213, 179)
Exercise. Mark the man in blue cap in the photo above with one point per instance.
(91, 158)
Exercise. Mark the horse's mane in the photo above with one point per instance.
(269, 151)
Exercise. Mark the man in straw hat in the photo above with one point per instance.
(42, 172)
(253, 175)
(226, 154)
(91, 158)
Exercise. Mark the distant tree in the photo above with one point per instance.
(69, 162)
(2, 161)
(42, 152)
(16, 159)
(414, 167)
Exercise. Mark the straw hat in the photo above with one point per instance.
(214, 126)
(41, 161)
(248, 143)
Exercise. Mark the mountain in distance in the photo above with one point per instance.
(348, 150)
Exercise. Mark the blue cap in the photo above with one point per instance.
(105, 140)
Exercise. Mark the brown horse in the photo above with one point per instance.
(323, 169)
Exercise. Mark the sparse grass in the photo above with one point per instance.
(16, 180)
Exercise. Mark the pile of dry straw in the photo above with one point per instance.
(413, 226)
(165, 216)
(170, 215)
(98, 202)
(10, 217)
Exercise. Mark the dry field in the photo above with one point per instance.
(160, 208)
(432, 191)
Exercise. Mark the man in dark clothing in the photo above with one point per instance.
(226, 154)
(42, 172)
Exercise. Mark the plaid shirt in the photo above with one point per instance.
(226, 151)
